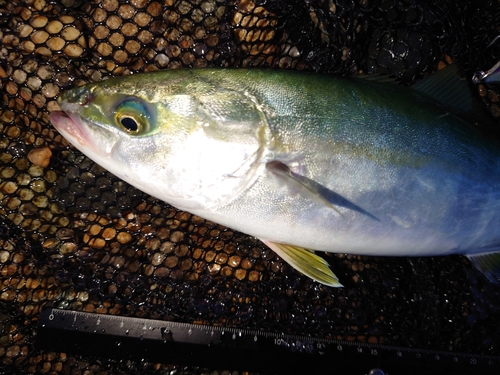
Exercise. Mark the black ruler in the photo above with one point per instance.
(117, 337)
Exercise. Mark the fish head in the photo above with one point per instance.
(186, 139)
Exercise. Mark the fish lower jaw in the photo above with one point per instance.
(67, 125)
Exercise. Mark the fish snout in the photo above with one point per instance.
(80, 96)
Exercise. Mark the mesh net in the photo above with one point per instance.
(74, 236)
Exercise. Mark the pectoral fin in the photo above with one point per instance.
(298, 183)
(488, 264)
(306, 262)
(312, 190)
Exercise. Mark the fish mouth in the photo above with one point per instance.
(89, 138)
(71, 127)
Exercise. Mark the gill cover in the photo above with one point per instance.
(216, 149)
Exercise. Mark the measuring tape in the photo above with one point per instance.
(118, 337)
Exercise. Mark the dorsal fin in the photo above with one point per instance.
(448, 87)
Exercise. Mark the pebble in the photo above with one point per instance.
(40, 156)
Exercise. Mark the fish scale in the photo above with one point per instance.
(431, 294)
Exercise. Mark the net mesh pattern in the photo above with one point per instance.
(74, 236)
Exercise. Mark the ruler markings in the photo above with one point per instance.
(250, 339)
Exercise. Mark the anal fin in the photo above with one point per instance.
(306, 262)
(488, 264)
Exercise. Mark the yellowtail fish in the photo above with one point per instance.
(303, 162)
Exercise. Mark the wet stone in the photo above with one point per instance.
(39, 37)
(183, 7)
(126, 11)
(92, 193)
(87, 178)
(73, 50)
(38, 186)
(19, 76)
(112, 211)
(41, 201)
(116, 39)
(98, 207)
(110, 5)
(142, 19)
(129, 29)
(154, 9)
(104, 49)
(493, 96)
(101, 32)
(26, 194)
(8, 187)
(495, 110)
(34, 83)
(46, 72)
(38, 21)
(107, 197)
(123, 202)
(132, 46)
(54, 27)
(76, 188)
(67, 199)
(70, 33)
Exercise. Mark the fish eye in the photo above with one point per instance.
(129, 124)
(132, 116)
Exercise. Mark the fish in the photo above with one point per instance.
(304, 162)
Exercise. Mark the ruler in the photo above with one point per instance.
(118, 337)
